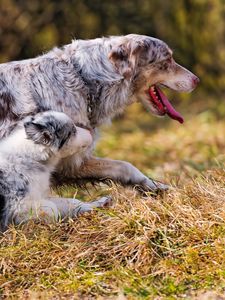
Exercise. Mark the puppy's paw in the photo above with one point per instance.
(104, 202)
(84, 208)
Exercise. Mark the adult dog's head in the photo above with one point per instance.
(149, 64)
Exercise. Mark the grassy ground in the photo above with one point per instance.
(167, 247)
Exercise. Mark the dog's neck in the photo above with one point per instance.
(97, 106)
(108, 93)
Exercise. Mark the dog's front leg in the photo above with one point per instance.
(95, 168)
(119, 171)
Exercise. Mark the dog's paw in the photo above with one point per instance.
(161, 186)
(104, 202)
(149, 185)
(85, 208)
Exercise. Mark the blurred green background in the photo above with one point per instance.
(195, 29)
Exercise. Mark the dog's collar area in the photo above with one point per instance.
(90, 97)
(89, 105)
(94, 89)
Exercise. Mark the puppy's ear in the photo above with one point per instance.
(37, 132)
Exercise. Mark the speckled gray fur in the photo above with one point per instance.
(28, 156)
(91, 81)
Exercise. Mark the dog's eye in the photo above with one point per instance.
(74, 130)
(64, 140)
(166, 64)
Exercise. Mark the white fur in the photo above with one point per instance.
(29, 165)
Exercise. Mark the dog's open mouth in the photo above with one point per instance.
(161, 103)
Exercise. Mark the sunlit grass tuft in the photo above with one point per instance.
(171, 246)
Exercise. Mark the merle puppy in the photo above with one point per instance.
(28, 156)
(92, 81)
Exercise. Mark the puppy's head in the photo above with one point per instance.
(148, 63)
(57, 131)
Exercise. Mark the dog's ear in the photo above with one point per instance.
(38, 132)
(120, 58)
(125, 56)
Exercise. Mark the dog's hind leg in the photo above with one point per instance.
(53, 209)
(43, 209)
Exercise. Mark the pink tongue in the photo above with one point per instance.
(170, 110)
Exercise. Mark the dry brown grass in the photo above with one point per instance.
(144, 247)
